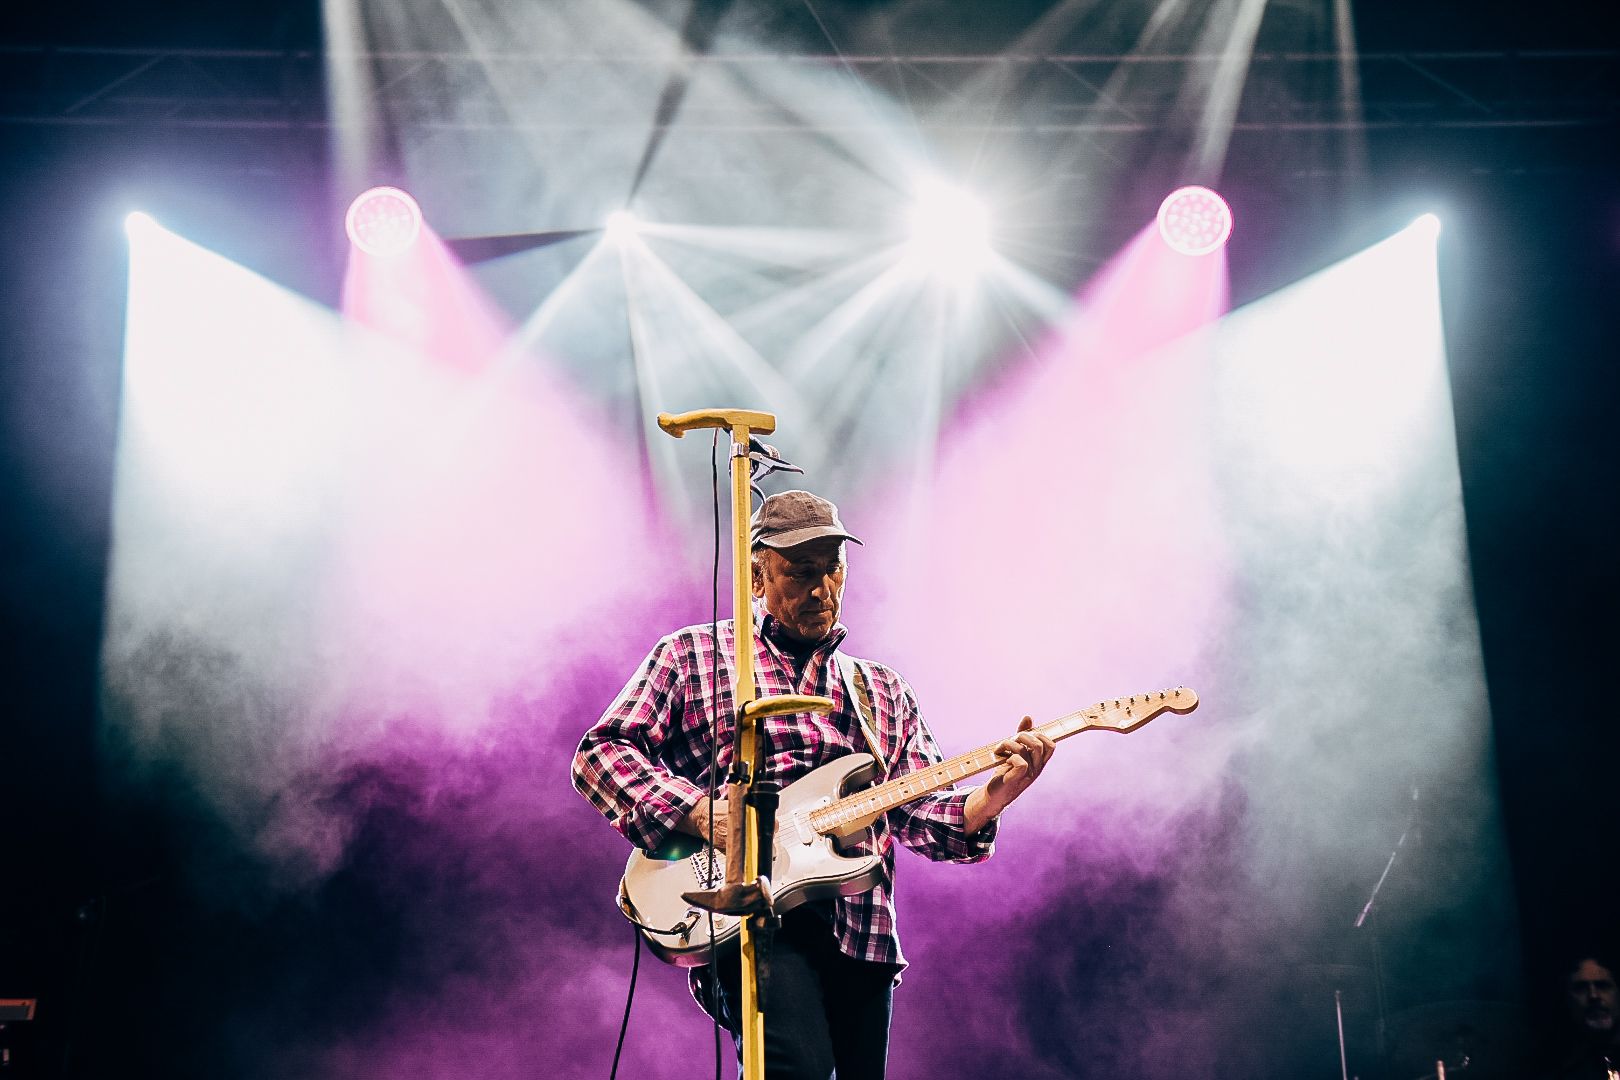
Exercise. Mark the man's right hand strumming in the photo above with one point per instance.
(696, 822)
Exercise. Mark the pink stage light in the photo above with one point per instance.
(383, 221)
(1194, 221)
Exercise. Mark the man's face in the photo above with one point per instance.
(803, 586)
(1592, 998)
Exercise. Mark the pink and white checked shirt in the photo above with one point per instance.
(645, 763)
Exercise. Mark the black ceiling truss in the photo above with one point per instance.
(1055, 95)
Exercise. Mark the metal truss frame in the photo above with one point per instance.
(1047, 95)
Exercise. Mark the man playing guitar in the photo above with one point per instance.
(646, 766)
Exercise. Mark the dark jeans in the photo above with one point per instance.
(823, 1010)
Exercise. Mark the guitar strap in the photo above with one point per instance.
(859, 691)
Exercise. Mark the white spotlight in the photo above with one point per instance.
(950, 229)
(1428, 223)
(136, 220)
(620, 226)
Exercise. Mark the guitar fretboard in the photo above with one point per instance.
(1123, 714)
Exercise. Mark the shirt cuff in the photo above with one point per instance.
(654, 818)
(983, 842)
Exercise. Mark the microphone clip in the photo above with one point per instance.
(763, 460)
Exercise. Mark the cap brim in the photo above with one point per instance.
(796, 537)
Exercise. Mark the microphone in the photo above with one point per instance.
(763, 460)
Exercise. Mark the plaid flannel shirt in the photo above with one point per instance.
(645, 764)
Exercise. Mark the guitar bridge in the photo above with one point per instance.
(708, 867)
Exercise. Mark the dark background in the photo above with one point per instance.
(136, 971)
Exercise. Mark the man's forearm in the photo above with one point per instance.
(978, 811)
(696, 822)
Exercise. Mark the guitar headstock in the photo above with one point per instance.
(1128, 714)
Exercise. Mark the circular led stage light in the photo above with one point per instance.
(1195, 221)
(383, 221)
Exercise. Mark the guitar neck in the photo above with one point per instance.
(1122, 715)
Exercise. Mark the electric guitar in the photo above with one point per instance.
(820, 816)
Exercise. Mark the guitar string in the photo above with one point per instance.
(896, 792)
(938, 775)
(944, 772)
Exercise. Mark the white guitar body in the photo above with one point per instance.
(805, 865)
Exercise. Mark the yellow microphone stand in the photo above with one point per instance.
(747, 888)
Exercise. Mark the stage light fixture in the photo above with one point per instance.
(1195, 221)
(383, 221)
(620, 225)
(949, 229)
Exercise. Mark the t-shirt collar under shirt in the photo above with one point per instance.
(797, 652)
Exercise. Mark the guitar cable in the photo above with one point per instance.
(624, 1025)
(628, 910)
(714, 767)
